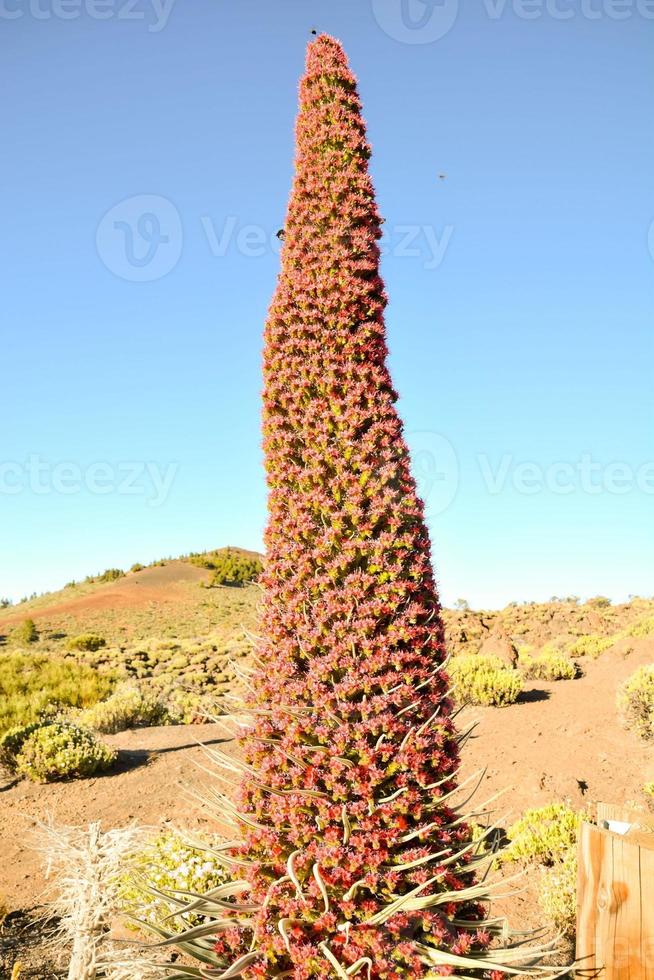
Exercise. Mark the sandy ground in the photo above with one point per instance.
(563, 740)
(156, 769)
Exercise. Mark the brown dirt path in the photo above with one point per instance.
(150, 787)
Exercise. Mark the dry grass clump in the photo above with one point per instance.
(84, 867)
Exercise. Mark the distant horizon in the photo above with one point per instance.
(17, 601)
(150, 163)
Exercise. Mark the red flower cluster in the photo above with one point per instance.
(355, 859)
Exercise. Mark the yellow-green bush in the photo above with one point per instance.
(636, 701)
(591, 646)
(130, 706)
(648, 790)
(194, 707)
(542, 835)
(86, 642)
(547, 665)
(236, 570)
(557, 892)
(484, 680)
(168, 862)
(230, 567)
(51, 750)
(32, 684)
(109, 575)
(643, 628)
(26, 632)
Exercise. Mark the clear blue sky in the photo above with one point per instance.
(521, 286)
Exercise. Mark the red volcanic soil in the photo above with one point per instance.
(563, 741)
(159, 584)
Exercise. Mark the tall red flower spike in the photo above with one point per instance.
(353, 860)
(363, 749)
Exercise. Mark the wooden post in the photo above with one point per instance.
(615, 900)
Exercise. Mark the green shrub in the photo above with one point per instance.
(26, 632)
(599, 602)
(52, 750)
(557, 893)
(169, 862)
(543, 835)
(33, 684)
(230, 567)
(547, 665)
(111, 574)
(137, 567)
(590, 646)
(12, 742)
(484, 680)
(648, 790)
(88, 642)
(636, 702)
(130, 706)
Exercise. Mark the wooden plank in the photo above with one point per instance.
(626, 958)
(590, 852)
(615, 907)
(614, 811)
(605, 911)
(647, 910)
(643, 822)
